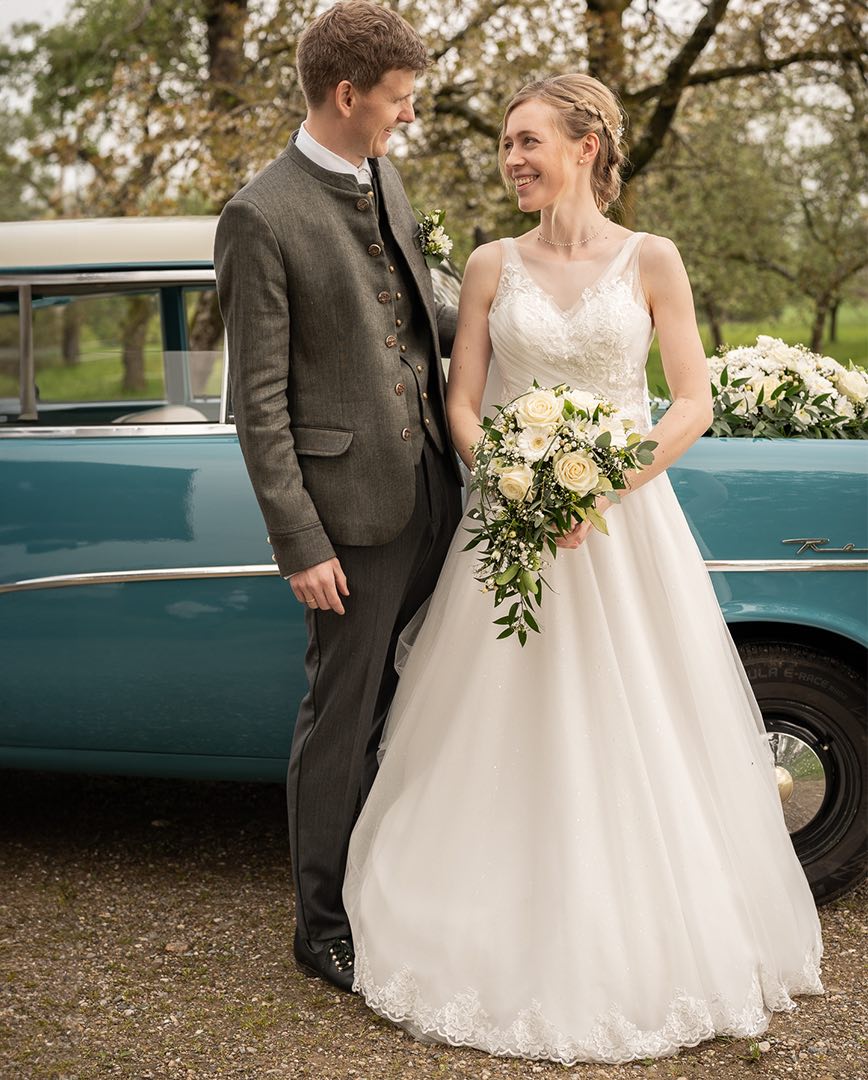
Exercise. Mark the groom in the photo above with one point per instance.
(335, 342)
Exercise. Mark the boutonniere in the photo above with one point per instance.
(436, 244)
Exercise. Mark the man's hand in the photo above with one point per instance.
(319, 586)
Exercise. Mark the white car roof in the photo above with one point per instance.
(61, 244)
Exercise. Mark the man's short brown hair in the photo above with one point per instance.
(358, 41)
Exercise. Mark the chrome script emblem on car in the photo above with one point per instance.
(818, 544)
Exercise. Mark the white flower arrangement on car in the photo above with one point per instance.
(539, 466)
(775, 390)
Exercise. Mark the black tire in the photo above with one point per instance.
(820, 699)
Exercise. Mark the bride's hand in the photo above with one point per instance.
(577, 534)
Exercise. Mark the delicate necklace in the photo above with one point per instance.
(574, 243)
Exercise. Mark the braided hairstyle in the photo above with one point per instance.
(582, 105)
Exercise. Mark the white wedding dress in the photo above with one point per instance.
(576, 851)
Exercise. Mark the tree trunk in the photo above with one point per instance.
(606, 52)
(226, 22)
(206, 337)
(70, 335)
(135, 328)
(833, 320)
(715, 325)
(820, 314)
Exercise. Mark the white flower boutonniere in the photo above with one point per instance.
(435, 242)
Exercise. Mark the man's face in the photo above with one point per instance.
(378, 111)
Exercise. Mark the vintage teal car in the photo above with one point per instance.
(144, 628)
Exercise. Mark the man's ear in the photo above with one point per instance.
(345, 97)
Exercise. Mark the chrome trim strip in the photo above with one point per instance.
(108, 277)
(750, 566)
(188, 573)
(127, 430)
(120, 577)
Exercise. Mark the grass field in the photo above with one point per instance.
(794, 328)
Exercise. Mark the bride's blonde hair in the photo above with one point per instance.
(582, 105)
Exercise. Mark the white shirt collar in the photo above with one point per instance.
(328, 159)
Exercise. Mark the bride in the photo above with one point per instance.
(576, 851)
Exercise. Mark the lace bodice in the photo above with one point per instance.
(599, 344)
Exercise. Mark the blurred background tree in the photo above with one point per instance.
(746, 125)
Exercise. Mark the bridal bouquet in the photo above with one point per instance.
(539, 466)
(777, 390)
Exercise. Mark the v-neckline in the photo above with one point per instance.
(571, 310)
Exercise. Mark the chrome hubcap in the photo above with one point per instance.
(801, 779)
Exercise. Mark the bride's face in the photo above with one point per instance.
(536, 156)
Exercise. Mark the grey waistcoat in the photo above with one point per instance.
(414, 342)
(328, 442)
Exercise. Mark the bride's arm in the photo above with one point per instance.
(671, 301)
(471, 352)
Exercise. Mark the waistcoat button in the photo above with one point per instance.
(400, 388)
(405, 434)
(391, 341)
(384, 297)
(375, 249)
(363, 204)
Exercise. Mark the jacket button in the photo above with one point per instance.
(391, 269)
(397, 296)
(419, 368)
(384, 297)
(424, 396)
(400, 388)
(405, 434)
(375, 249)
(363, 204)
(427, 421)
(391, 341)
(398, 322)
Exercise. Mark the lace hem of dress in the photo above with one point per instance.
(612, 1039)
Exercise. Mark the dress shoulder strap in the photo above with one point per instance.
(628, 267)
(509, 252)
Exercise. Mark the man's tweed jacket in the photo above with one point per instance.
(299, 269)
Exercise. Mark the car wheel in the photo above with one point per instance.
(813, 705)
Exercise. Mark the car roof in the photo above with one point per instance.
(69, 244)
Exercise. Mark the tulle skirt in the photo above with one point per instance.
(576, 851)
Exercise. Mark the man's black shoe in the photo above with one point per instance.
(334, 961)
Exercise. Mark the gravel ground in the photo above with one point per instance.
(145, 932)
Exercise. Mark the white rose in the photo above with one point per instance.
(577, 472)
(615, 427)
(515, 481)
(768, 386)
(582, 399)
(533, 442)
(854, 384)
(538, 408)
(804, 415)
(746, 401)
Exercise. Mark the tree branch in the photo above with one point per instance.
(483, 14)
(672, 89)
(736, 71)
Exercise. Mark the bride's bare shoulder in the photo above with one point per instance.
(658, 253)
(482, 271)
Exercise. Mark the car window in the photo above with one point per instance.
(116, 355)
(101, 347)
(205, 336)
